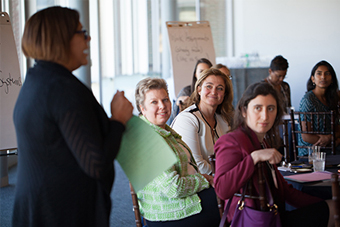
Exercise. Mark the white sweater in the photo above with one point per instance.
(197, 134)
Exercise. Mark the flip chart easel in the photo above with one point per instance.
(189, 41)
(10, 84)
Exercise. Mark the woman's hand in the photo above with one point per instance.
(121, 108)
(324, 140)
(210, 179)
(269, 154)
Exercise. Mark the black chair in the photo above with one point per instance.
(306, 127)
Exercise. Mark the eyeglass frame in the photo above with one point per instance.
(279, 76)
(84, 31)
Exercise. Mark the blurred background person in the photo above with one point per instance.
(224, 69)
(277, 73)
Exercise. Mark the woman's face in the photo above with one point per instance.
(157, 107)
(200, 68)
(276, 77)
(322, 77)
(78, 49)
(212, 91)
(225, 71)
(260, 114)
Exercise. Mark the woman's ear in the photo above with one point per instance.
(199, 90)
(244, 113)
(312, 78)
(142, 109)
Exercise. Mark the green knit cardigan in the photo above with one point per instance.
(172, 195)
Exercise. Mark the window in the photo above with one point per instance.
(128, 38)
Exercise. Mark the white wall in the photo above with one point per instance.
(303, 31)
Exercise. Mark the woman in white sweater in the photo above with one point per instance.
(207, 116)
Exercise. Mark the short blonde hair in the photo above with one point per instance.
(48, 33)
(146, 85)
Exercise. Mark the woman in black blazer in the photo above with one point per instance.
(66, 142)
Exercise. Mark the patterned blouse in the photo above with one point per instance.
(172, 195)
(310, 103)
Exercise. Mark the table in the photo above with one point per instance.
(322, 189)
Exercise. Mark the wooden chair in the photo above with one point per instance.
(220, 202)
(138, 218)
(286, 121)
(336, 199)
(320, 117)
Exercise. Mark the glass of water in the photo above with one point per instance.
(319, 161)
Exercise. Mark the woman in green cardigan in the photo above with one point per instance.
(181, 196)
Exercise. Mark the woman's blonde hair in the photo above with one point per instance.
(146, 85)
(226, 107)
(48, 33)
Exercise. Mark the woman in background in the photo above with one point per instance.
(224, 69)
(181, 196)
(277, 73)
(207, 117)
(66, 142)
(201, 65)
(258, 113)
(321, 96)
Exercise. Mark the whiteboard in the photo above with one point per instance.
(10, 83)
(189, 41)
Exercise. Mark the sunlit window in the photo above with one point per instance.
(127, 37)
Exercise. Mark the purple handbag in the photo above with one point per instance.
(249, 217)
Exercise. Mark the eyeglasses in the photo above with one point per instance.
(84, 31)
(279, 76)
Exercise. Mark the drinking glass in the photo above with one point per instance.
(319, 161)
(312, 151)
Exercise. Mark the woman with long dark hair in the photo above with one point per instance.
(321, 96)
(258, 113)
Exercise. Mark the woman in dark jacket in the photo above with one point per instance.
(66, 142)
(258, 113)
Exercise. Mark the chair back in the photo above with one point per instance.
(315, 125)
(138, 218)
(336, 199)
(220, 202)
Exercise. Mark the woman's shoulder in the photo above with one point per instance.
(237, 135)
(189, 115)
(308, 101)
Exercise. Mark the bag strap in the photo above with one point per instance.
(243, 195)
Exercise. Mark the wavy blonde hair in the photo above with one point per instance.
(225, 108)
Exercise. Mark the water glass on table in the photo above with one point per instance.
(319, 160)
(312, 151)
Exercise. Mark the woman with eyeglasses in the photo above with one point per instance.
(66, 142)
(277, 73)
